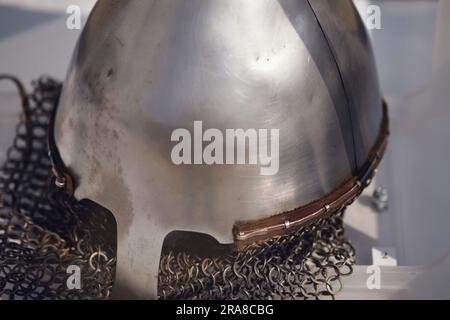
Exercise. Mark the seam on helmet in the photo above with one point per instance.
(341, 77)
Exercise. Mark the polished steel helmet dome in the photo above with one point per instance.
(143, 69)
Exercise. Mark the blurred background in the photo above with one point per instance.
(410, 239)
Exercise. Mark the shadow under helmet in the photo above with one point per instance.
(143, 69)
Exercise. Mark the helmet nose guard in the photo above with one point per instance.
(142, 70)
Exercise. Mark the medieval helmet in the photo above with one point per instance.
(143, 70)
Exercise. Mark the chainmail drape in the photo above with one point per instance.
(43, 231)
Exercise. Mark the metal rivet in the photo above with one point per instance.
(287, 224)
(60, 182)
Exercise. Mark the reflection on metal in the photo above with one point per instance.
(143, 69)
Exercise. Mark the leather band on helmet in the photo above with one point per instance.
(246, 233)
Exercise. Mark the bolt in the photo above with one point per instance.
(60, 182)
(380, 199)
